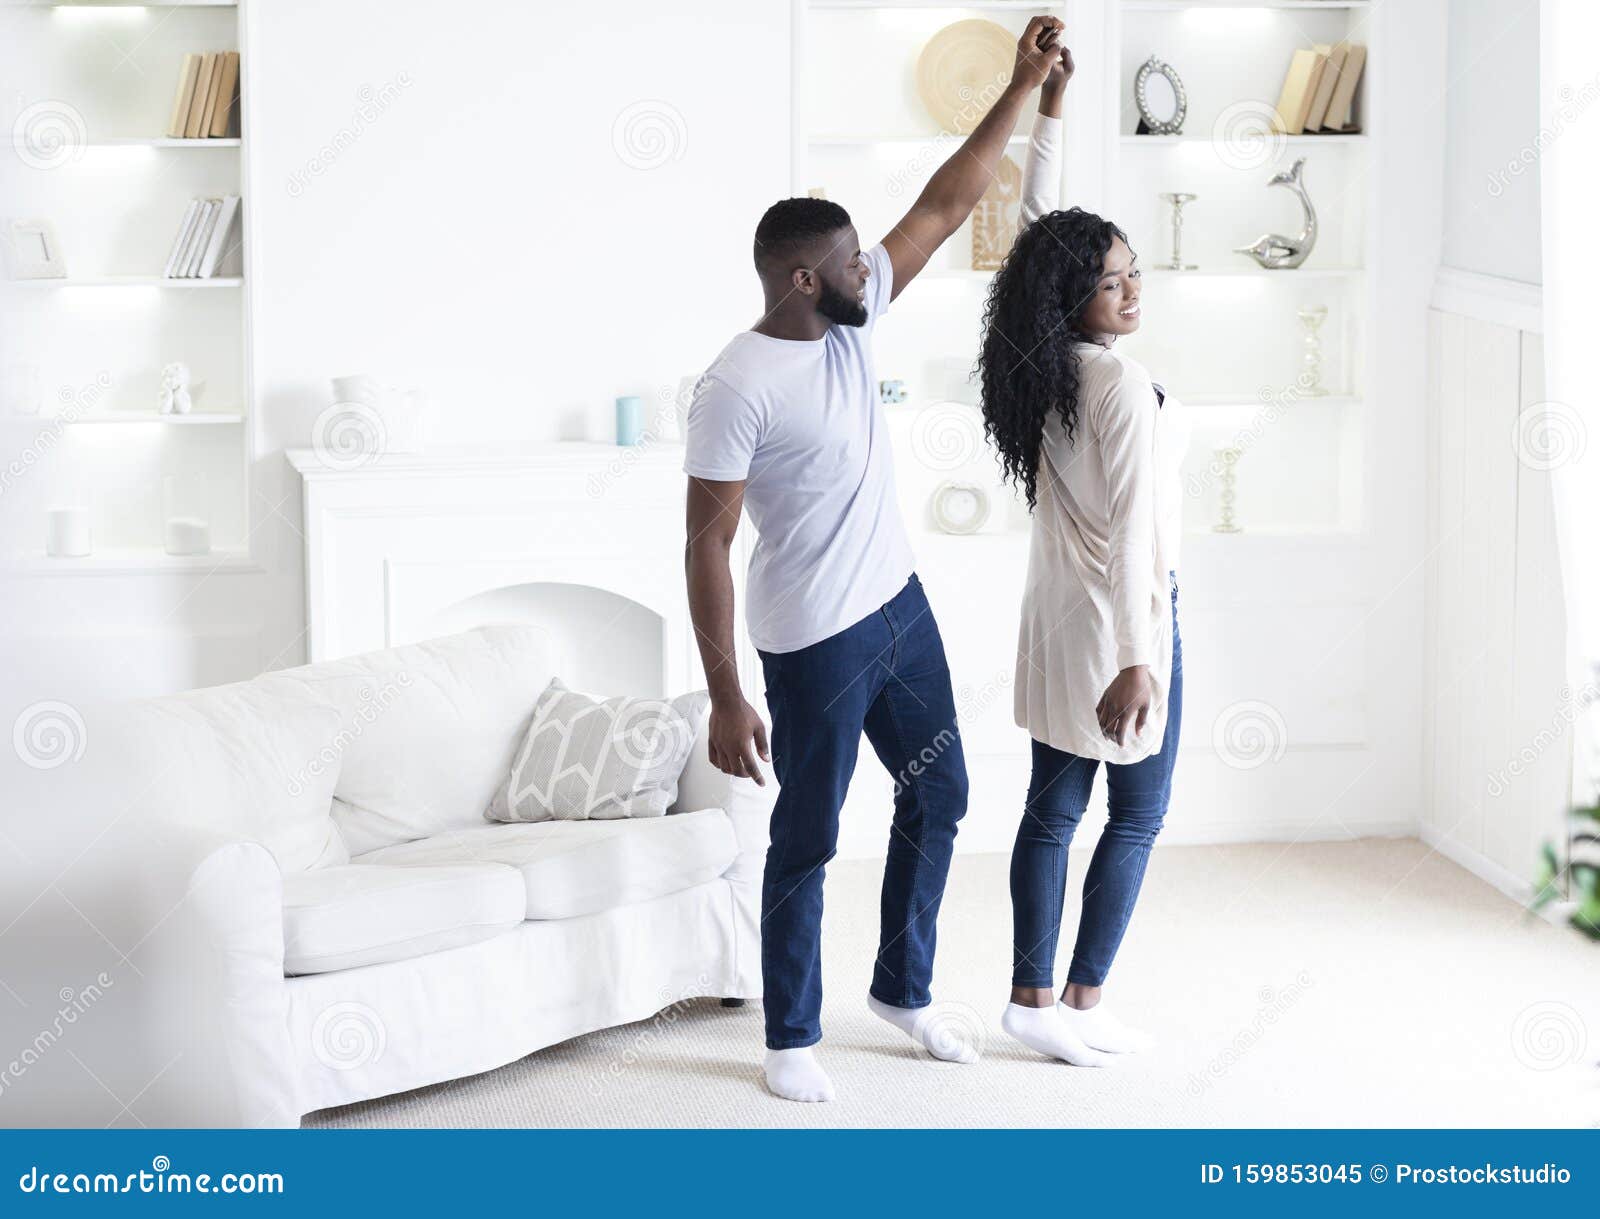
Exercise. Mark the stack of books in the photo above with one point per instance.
(204, 238)
(207, 104)
(1320, 89)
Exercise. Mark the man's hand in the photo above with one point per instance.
(1037, 51)
(1126, 704)
(733, 726)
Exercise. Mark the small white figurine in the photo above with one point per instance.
(175, 390)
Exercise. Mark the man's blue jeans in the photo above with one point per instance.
(885, 676)
(1137, 796)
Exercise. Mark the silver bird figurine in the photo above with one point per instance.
(1275, 251)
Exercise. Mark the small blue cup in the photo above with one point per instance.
(630, 420)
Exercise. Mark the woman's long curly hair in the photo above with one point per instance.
(1027, 366)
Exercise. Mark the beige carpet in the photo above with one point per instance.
(1334, 984)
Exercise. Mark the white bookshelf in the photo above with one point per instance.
(96, 341)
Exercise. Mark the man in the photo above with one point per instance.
(786, 423)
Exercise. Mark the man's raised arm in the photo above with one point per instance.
(958, 184)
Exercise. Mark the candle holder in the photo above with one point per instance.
(1228, 459)
(186, 510)
(1311, 385)
(1177, 199)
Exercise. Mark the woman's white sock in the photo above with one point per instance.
(1100, 1030)
(1043, 1030)
(797, 1075)
(943, 1032)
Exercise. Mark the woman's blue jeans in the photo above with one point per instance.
(1058, 793)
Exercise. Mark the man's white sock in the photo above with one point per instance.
(937, 1028)
(797, 1075)
(1101, 1030)
(1043, 1030)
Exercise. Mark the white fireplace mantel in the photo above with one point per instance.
(397, 545)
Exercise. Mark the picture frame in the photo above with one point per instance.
(1159, 94)
(32, 250)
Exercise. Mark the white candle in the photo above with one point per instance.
(188, 535)
(67, 533)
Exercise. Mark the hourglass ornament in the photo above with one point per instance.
(1311, 362)
(1228, 459)
(1177, 199)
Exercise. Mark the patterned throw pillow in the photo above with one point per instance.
(587, 758)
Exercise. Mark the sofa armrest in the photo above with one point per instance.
(219, 941)
(747, 803)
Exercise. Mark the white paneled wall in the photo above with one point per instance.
(1495, 729)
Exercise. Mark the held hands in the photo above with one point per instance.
(733, 726)
(1124, 707)
(1037, 51)
(1061, 69)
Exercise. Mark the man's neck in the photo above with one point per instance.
(795, 325)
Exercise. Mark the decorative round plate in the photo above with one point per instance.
(962, 70)
(960, 507)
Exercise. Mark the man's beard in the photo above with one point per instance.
(837, 307)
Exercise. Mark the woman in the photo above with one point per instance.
(1094, 446)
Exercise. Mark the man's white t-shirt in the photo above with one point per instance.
(800, 421)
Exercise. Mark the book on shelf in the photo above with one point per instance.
(1341, 106)
(202, 96)
(181, 244)
(1334, 62)
(185, 97)
(204, 243)
(206, 104)
(1299, 90)
(225, 104)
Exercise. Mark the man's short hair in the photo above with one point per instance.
(790, 225)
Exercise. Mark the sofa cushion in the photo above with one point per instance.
(430, 729)
(588, 758)
(366, 914)
(581, 867)
(244, 760)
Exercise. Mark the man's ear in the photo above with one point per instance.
(804, 280)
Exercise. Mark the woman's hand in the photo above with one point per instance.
(1126, 704)
(1055, 84)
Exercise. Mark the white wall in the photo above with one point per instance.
(1491, 209)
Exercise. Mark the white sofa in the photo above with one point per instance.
(357, 928)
